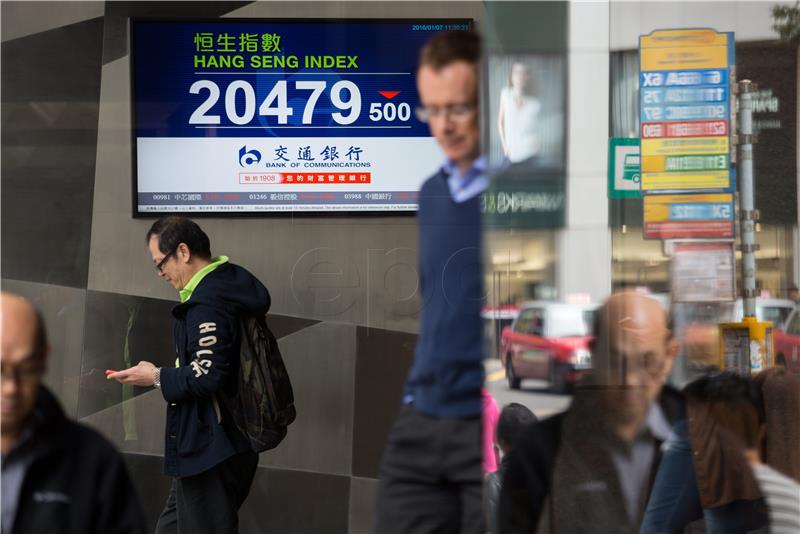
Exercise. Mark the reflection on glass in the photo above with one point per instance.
(518, 116)
(526, 110)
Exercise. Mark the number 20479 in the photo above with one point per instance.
(240, 103)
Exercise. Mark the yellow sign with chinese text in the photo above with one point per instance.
(653, 181)
(683, 49)
(688, 145)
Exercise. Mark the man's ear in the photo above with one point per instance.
(669, 355)
(184, 254)
(43, 355)
(672, 348)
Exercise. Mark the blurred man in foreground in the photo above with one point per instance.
(589, 469)
(431, 476)
(58, 475)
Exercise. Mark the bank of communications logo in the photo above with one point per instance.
(248, 158)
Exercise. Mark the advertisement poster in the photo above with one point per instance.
(526, 141)
(246, 116)
(703, 271)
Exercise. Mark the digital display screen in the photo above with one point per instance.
(253, 116)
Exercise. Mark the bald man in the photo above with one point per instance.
(57, 475)
(590, 468)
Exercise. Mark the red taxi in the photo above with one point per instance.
(548, 341)
(787, 343)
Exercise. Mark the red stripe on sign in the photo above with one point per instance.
(389, 94)
(674, 230)
(654, 130)
(330, 178)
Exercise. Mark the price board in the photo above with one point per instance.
(685, 107)
(235, 116)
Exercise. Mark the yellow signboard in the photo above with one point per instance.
(685, 58)
(688, 145)
(683, 49)
(691, 37)
(654, 181)
(690, 163)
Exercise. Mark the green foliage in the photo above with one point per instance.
(787, 22)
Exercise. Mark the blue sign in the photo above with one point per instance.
(686, 112)
(683, 78)
(701, 212)
(285, 115)
(283, 79)
(683, 95)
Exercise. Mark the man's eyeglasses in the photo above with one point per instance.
(455, 112)
(21, 374)
(619, 367)
(160, 265)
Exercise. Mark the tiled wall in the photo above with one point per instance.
(70, 244)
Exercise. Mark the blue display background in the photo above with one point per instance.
(704, 77)
(163, 71)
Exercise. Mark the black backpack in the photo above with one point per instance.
(264, 404)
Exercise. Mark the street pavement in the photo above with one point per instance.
(533, 393)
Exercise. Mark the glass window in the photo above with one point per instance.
(523, 321)
(794, 324)
(567, 321)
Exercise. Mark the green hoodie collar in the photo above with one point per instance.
(186, 292)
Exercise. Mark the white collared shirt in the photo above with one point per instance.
(468, 185)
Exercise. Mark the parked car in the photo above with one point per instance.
(775, 310)
(787, 343)
(548, 341)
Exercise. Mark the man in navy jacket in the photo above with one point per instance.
(211, 461)
(58, 475)
(431, 476)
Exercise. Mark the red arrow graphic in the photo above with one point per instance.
(389, 94)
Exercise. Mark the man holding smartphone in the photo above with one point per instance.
(210, 460)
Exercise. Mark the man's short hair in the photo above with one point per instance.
(734, 401)
(174, 230)
(513, 420)
(449, 47)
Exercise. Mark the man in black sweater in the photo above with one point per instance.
(58, 475)
(590, 469)
(430, 476)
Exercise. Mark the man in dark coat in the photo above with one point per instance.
(590, 469)
(210, 460)
(58, 475)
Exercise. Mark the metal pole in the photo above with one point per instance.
(746, 198)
